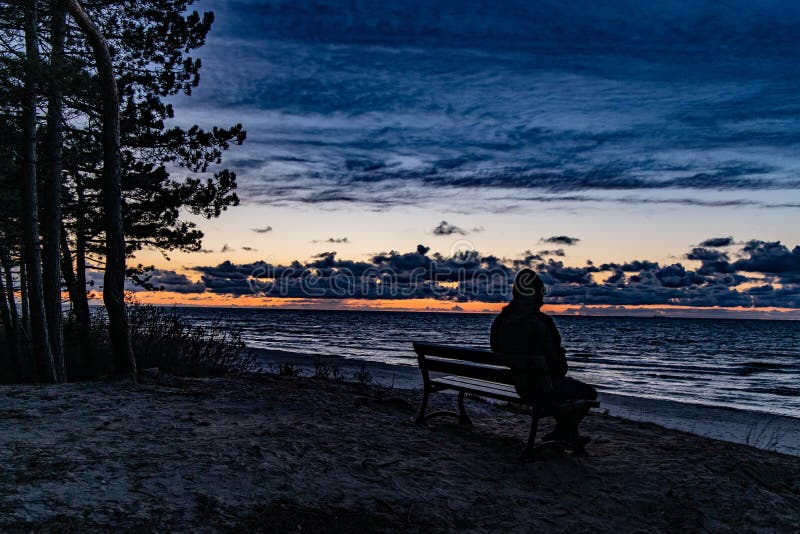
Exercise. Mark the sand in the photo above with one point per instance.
(749, 427)
(278, 453)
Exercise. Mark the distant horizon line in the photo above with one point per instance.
(677, 312)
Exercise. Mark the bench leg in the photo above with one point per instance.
(463, 418)
(529, 448)
(423, 406)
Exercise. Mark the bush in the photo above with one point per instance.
(286, 369)
(363, 376)
(325, 370)
(322, 368)
(162, 337)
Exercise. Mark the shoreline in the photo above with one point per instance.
(761, 430)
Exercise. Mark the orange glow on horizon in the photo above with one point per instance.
(165, 298)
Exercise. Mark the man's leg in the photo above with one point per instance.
(568, 388)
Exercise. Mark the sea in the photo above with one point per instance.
(734, 363)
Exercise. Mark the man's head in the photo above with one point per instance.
(528, 288)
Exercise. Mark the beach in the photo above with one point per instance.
(279, 453)
(747, 427)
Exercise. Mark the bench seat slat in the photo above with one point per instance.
(478, 389)
(467, 382)
(491, 373)
(461, 353)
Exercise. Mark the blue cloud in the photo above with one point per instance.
(344, 98)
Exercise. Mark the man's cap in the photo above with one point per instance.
(528, 283)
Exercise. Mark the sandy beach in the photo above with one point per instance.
(747, 427)
(301, 454)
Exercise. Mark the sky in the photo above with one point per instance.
(643, 157)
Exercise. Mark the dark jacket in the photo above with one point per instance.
(521, 331)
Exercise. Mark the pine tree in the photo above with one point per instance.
(90, 167)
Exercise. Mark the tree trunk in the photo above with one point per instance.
(40, 342)
(80, 251)
(76, 279)
(8, 281)
(23, 297)
(5, 261)
(114, 277)
(85, 362)
(51, 197)
(10, 333)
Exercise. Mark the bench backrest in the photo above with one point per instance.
(462, 361)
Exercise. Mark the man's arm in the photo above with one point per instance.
(494, 339)
(537, 363)
(559, 366)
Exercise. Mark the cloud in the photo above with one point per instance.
(334, 240)
(166, 280)
(713, 261)
(769, 257)
(444, 228)
(583, 100)
(717, 242)
(249, 249)
(472, 276)
(262, 230)
(152, 280)
(560, 240)
(553, 252)
(226, 248)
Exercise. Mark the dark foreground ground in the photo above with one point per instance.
(299, 454)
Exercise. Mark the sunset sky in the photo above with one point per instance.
(548, 134)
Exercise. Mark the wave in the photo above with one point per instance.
(748, 368)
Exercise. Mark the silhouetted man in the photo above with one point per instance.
(524, 333)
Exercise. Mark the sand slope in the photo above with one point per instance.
(272, 453)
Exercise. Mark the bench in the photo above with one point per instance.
(487, 374)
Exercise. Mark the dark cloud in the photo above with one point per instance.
(226, 248)
(444, 228)
(631, 266)
(703, 28)
(717, 242)
(583, 99)
(676, 275)
(152, 280)
(560, 240)
(334, 240)
(553, 252)
(713, 261)
(769, 257)
(166, 280)
(262, 230)
(249, 249)
(471, 276)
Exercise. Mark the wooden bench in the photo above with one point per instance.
(486, 374)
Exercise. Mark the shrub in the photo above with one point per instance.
(286, 369)
(163, 338)
(322, 368)
(337, 374)
(363, 376)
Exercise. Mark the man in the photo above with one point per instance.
(529, 336)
